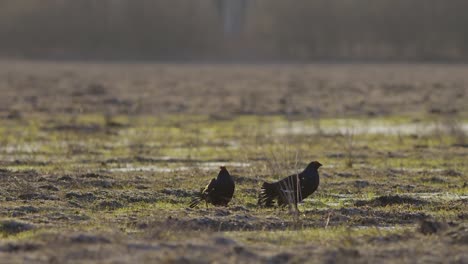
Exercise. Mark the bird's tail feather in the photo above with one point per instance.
(195, 201)
(267, 194)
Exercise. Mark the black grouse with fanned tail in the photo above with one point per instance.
(285, 191)
(218, 192)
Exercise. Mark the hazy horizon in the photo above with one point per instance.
(233, 30)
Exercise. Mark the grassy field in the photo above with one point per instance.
(98, 162)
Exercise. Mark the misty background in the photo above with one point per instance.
(416, 30)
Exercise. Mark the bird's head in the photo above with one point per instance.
(223, 173)
(314, 165)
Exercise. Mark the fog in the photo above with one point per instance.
(296, 30)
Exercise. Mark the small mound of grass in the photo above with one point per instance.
(12, 227)
(428, 227)
(391, 200)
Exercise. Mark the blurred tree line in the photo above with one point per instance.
(274, 30)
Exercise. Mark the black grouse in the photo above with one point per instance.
(285, 191)
(218, 192)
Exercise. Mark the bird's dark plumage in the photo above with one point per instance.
(285, 191)
(218, 192)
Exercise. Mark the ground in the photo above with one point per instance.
(98, 162)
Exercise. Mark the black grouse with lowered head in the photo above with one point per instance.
(285, 191)
(218, 192)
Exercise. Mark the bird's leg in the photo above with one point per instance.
(296, 213)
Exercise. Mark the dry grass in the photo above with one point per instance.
(103, 181)
(223, 91)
